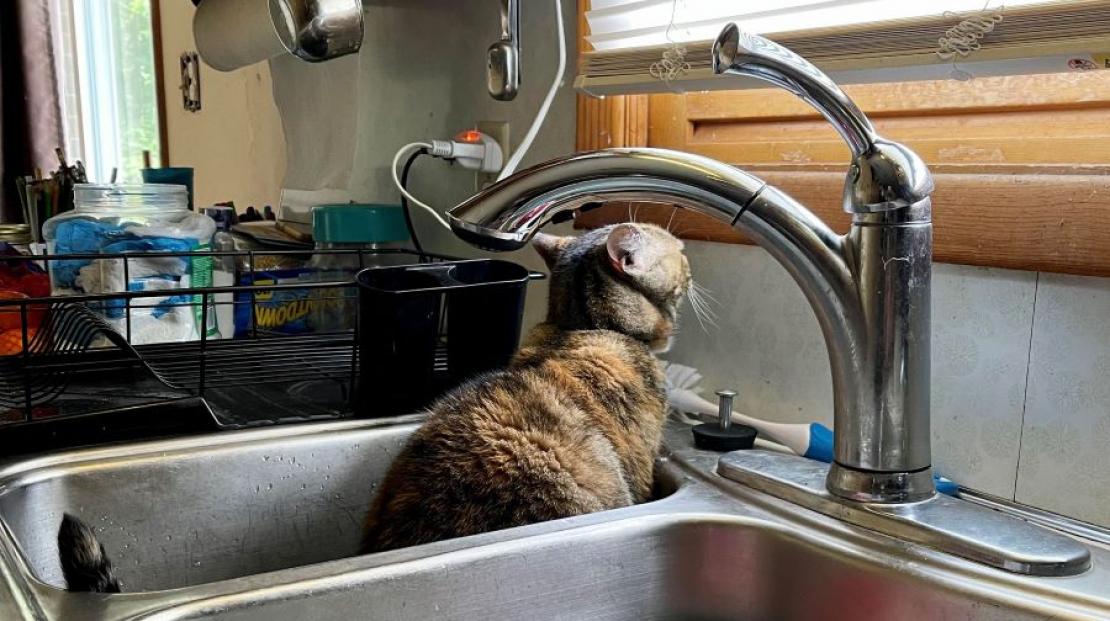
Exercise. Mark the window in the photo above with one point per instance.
(107, 83)
(1022, 162)
(853, 41)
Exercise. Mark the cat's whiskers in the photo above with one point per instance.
(700, 299)
(704, 292)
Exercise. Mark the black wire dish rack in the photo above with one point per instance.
(75, 378)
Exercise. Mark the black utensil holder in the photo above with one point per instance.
(423, 329)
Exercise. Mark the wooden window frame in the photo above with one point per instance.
(1011, 191)
(160, 82)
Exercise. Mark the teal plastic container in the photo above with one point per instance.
(359, 224)
(370, 228)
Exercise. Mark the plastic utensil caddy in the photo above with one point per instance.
(423, 329)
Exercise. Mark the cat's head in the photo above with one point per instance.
(629, 278)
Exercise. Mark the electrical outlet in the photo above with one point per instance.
(499, 131)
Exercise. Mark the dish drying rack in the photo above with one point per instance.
(76, 374)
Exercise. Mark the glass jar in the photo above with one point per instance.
(135, 219)
(17, 236)
(367, 234)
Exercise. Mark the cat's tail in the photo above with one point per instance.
(84, 564)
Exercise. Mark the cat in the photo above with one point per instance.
(571, 426)
(85, 566)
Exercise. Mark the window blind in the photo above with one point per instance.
(664, 45)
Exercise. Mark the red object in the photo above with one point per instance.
(471, 136)
(10, 315)
(11, 341)
(21, 280)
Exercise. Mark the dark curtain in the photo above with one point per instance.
(30, 115)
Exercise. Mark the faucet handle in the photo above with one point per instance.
(883, 175)
(888, 176)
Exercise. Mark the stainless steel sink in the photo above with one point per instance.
(261, 524)
(179, 513)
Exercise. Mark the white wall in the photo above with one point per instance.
(234, 142)
(420, 75)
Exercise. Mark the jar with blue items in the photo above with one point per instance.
(370, 228)
(151, 218)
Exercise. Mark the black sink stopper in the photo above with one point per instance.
(724, 435)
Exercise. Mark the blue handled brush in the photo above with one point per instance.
(812, 440)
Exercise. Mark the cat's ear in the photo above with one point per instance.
(626, 248)
(550, 247)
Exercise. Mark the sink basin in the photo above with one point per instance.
(696, 567)
(261, 525)
(177, 514)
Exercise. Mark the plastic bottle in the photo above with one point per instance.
(223, 275)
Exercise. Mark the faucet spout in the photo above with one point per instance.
(872, 306)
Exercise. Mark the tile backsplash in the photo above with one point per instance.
(1065, 449)
(1021, 370)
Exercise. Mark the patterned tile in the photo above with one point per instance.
(982, 319)
(767, 345)
(1065, 464)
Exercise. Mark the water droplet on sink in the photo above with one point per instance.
(169, 537)
(269, 486)
(304, 485)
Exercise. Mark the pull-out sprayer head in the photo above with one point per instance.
(503, 57)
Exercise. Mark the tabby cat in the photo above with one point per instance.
(570, 427)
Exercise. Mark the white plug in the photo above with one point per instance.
(472, 149)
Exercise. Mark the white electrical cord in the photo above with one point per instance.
(514, 161)
(397, 181)
(518, 155)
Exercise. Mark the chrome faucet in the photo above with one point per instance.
(870, 290)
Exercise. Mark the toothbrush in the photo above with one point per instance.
(812, 440)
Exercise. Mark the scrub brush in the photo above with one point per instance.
(812, 440)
